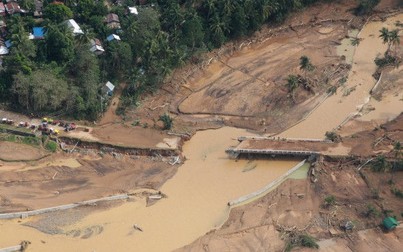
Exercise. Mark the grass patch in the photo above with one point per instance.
(372, 211)
(301, 240)
(308, 241)
(51, 146)
(330, 200)
(29, 140)
(397, 192)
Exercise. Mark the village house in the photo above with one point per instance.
(108, 88)
(38, 8)
(75, 28)
(3, 49)
(2, 9)
(113, 37)
(133, 10)
(13, 8)
(112, 21)
(96, 47)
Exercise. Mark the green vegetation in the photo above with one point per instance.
(308, 241)
(63, 77)
(380, 164)
(355, 41)
(372, 211)
(51, 146)
(301, 240)
(305, 65)
(167, 121)
(33, 141)
(330, 200)
(390, 58)
(292, 84)
(332, 136)
(397, 192)
(366, 6)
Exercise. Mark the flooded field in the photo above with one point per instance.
(196, 202)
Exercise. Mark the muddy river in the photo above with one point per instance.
(355, 92)
(199, 192)
(196, 203)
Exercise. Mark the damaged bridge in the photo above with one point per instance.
(271, 146)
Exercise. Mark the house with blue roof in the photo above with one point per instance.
(38, 33)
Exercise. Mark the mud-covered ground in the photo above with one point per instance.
(363, 197)
(68, 178)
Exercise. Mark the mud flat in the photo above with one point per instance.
(196, 202)
(355, 93)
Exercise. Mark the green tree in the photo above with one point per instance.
(167, 121)
(85, 75)
(390, 38)
(59, 43)
(192, 32)
(57, 12)
(366, 6)
(41, 90)
(305, 65)
(292, 84)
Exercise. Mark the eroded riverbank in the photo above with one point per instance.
(196, 203)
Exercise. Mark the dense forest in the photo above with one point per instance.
(60, 75)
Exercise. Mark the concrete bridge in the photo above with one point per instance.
(282, 147)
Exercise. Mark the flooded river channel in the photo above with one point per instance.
(197, 195)
(196, 203)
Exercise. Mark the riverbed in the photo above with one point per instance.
(355, 93)
(196, 203)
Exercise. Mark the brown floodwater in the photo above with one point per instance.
(355, 92)
(199, 192)
(196, 203)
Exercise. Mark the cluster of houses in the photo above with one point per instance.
(11, 7)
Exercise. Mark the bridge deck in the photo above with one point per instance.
(272, 146)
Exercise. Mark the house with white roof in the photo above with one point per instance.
(113, 37)
(108, 88)
(96, 47)
(75, 28)
(133, 10)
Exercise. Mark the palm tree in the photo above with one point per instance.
(390, 37)
(292, 84)
(85, 37)
(385, 36)
(394, 38)
(305, 65)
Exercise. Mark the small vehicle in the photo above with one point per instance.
(69, 127)
(23, 124)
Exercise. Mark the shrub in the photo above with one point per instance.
(372, 211)
(330, 200)
(366, 6)
(397, 192)
(31, 141)
(167, 121)
(308, 241)
(388, 60)
(380, 164)
(51, 146)
(332, 136)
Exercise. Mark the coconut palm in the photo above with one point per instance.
(394, 38)
(305, 65)
(385, 36)
(292, 84)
